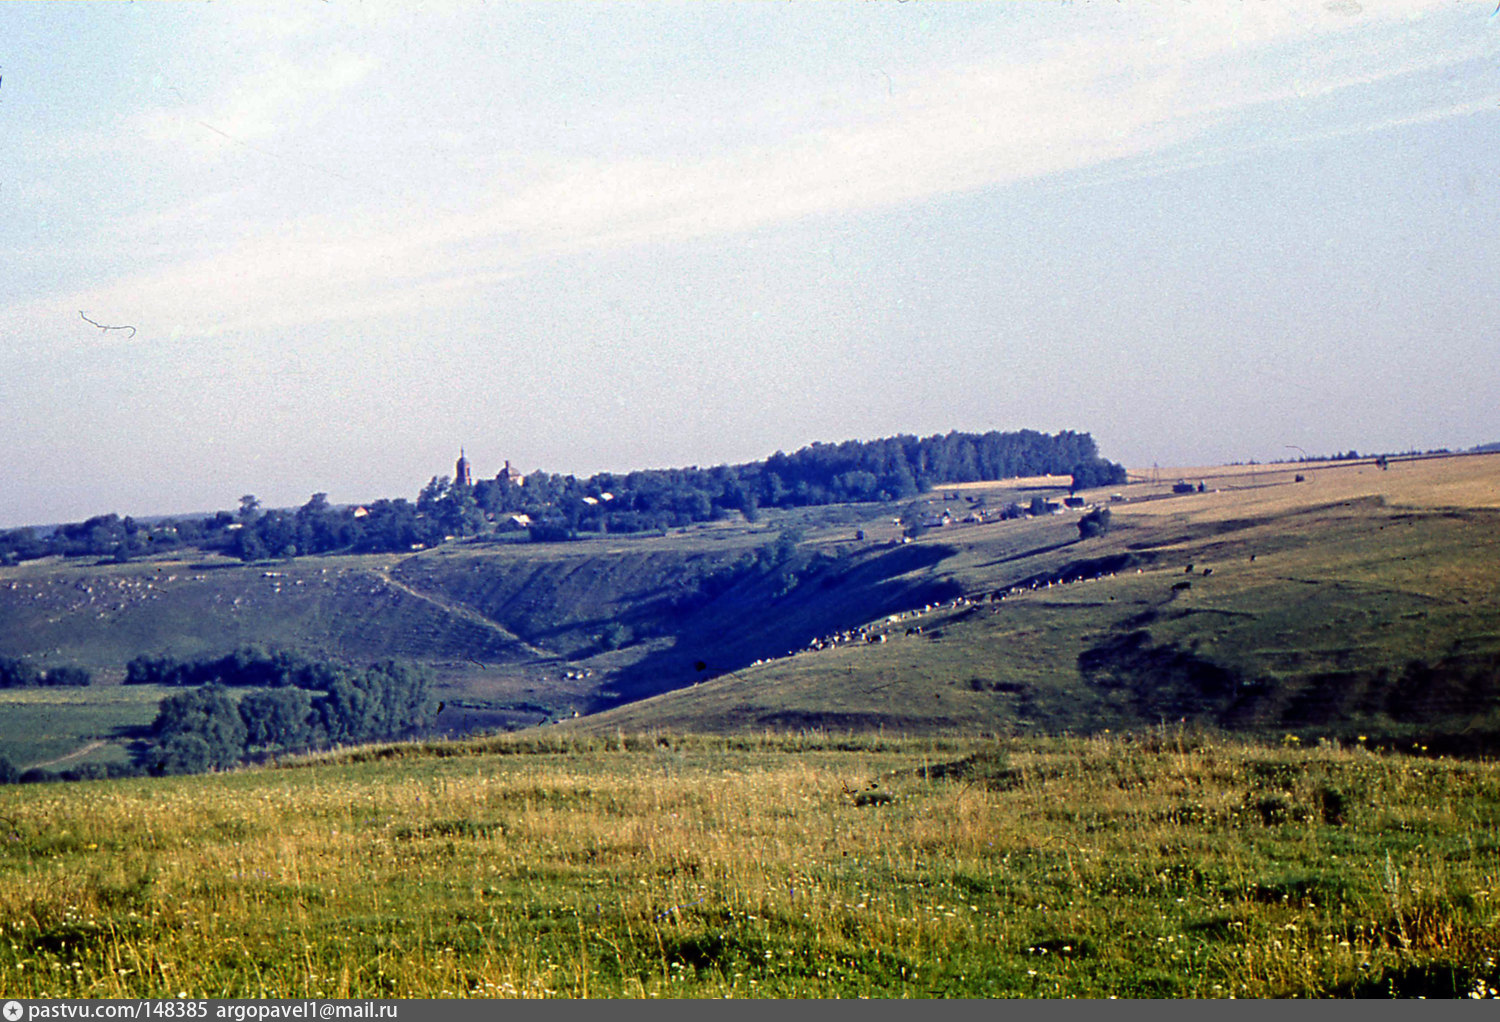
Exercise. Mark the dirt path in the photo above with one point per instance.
(459, 610)
(75, 754)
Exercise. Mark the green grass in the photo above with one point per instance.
(1311, 620)
(1166, 864)
(42, 725)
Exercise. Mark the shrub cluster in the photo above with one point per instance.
(245, 667)
(1095, 523)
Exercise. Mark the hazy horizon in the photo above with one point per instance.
(347, 240)
(1289, 458)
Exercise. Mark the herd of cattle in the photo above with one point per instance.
(882, 630)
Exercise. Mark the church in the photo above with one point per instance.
(463, 473)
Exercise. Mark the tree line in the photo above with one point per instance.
(19, 674)
(550, 507)
(253, 703)
(292, 704)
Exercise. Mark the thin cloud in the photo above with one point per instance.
(256, 108)
(1133, 95)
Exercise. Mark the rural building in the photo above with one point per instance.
(463, 472)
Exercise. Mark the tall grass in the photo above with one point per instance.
(1170, 864)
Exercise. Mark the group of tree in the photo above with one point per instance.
(19, 674)
(107, 536)
(291, 705)
(555, 507)
(245, 667)
(893, 469)
(248, 704)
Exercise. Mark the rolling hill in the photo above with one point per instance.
(1359, 598)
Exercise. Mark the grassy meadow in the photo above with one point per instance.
(68, 727)
(1170, 863)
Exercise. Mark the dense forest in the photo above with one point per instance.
(551, 507)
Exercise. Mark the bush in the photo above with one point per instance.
(1333, 805)
(278, 718)
(184, 753)
(67, 677)
(1095, 523)
(614, 636)
(205, 717)
(149, 670)
(18, 673)
(549, 532)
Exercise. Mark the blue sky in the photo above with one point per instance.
(351, 237)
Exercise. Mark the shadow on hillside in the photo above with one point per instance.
(1034, 552)
(753, 621)
(1446, 703)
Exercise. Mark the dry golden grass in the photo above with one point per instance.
(1014, 483)
(1469, 481)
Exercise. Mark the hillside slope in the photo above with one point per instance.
(1295, 613)
(101, 616)
(1357, 599)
